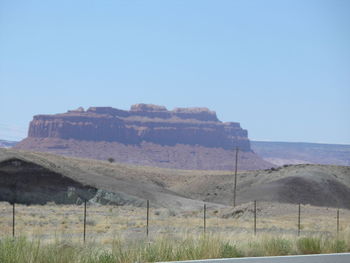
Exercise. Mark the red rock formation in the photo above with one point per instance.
(144, 124)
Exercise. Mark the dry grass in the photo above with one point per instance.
(105, 223)
(53, 233)
(21, 250)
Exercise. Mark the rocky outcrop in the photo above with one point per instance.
(143, 123)
(124, 134)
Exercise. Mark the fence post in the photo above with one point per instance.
(147, 225)
(14, 192)
(254, 217)
(235, 180)
(84, 220)
(337, 222)
(205, 218)
(13, 219)
(299, 226)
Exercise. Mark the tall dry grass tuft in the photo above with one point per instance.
(309, 245)
(165, 248)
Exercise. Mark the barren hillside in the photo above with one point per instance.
(320, 185)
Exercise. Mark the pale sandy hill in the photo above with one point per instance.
(320, 185)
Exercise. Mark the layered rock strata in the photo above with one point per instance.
(146, 134)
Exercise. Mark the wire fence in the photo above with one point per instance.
(106, 222)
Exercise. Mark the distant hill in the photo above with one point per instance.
(7, 144)
(280, 153)
(182, 138)
(44, 177)
(38, 178)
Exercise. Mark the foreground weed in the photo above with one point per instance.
(309, 245)
(277, 247)
(339, 246)
(21, 250)
(230, 251)
(106, 257)
(253, 249)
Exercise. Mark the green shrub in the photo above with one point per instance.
(277, 247)
(230, 251)
(338, 246)
(309, 245)
(106, 257)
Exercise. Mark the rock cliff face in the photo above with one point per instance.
(143, 124)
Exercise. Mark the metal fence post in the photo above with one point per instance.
(254, 217)
(147, 224)
(14, 192)
(205, 218)
(84, 220)
(299, 213)
(235, 180)
(13, 219)
(337, 222)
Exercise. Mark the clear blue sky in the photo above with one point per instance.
(280, 68)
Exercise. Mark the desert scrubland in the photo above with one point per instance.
(49, 193)
(118, 233)
(104, 223)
